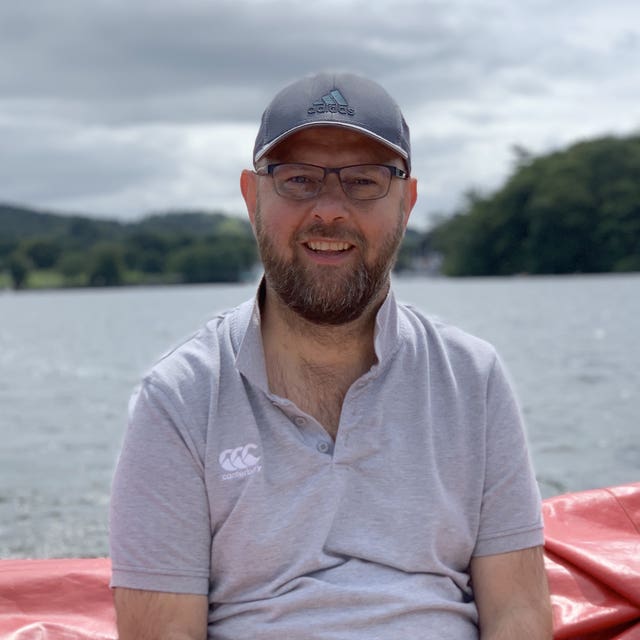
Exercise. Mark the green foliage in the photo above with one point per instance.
(7, 247)
(43, 252)
(19, 267)
(409, 249)
(216, 259)
(73, 265)
(107, 266)
(572, 211)
(19, 222)
(146, 251)
(174, 247)
(191, 223)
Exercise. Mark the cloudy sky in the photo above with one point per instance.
(117, 108)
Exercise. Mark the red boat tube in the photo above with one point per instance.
(592, 560)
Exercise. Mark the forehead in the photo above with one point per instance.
(332, 141)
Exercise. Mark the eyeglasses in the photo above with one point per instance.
(299, 181)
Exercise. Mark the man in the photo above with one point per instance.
(324, 462)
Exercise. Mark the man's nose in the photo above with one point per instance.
(330, 203)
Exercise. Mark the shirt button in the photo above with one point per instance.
(323, 447)
(300, 421)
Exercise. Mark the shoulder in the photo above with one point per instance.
(202, 352)
(187, 374)
(183, 384)
(444, 342)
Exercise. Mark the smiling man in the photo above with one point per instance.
(325, 462)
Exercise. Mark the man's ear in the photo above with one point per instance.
(249, 189)
(411, 196)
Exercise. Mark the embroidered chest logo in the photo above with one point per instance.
(240, 462)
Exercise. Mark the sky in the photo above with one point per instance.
(121, 108)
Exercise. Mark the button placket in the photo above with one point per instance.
(323, 447)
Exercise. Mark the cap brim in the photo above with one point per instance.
(328, 123)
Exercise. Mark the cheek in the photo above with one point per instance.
(377, 228)
(277, 227)
(384, 230)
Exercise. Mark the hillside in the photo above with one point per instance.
(73, 250)
(571, 211)
(19, 223)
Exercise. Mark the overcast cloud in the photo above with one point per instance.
(118, 108)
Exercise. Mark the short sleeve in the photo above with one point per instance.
(160, 534)
(511, 517)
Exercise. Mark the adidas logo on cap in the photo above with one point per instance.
(332, 102)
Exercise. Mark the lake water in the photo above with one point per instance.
(69, 360)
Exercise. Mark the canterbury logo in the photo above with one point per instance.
(239, 459)
(240, 462)
(332, 102)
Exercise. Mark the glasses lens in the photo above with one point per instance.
(304, 181)
(365, 181)
(298, 181)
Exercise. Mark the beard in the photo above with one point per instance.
(327, 295)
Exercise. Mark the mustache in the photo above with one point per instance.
(331, 231)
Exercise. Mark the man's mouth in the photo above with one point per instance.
(323, 245)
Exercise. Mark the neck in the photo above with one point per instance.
(291, 338)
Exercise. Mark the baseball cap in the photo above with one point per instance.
(336, 99)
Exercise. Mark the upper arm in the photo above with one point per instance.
(512, 595)
(159, 522)
(154, 615)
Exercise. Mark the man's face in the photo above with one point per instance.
(329, 258)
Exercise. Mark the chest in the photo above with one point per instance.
(383, 492)
(320, 394)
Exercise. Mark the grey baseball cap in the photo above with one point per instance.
(336, 99)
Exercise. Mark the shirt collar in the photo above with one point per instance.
(247, 337)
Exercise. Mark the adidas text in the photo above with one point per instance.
(331, 108)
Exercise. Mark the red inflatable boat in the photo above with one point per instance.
(592, 558)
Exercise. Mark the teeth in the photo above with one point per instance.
(329, 246)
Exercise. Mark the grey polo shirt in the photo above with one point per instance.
(223, 488)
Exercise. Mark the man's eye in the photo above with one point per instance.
(364, 180)
(361, 181)
(299, 179)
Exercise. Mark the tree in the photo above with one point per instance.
(224, 258)
(146, 251)
(409, 250)
(576, 210)
(43, 252)
(19, 267)
(107, 266)
(73, 265)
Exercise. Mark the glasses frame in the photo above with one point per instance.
(395, 172)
